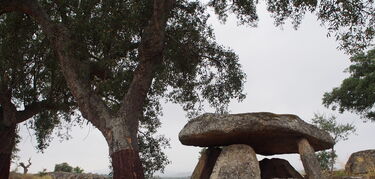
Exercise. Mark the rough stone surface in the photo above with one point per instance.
(65, 175)
(309, 160)
(352, 177)
(236, 162)
(266, 133)
(206, 163)
(361, 162)
(277, 168)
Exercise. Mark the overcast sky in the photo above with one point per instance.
(288, 71)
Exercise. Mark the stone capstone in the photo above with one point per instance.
(266, 133)
(236, 161)
(361, 162)
(277, 168)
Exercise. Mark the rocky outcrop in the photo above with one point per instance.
(236, 161)
(66, 175)
(206, 163)
(277, 168)
(361, 162)
(266, 133)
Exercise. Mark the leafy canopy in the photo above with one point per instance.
(357, 92)
(63, 167)
(351, 23)
(29, 72)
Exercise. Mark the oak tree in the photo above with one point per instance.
(32, 80)
(357, 92)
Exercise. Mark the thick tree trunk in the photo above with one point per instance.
(7, 138)
(123, 148)
(127, 164)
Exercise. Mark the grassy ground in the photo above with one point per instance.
(27, 176)
(342, 173)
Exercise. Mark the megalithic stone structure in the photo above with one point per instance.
(266, 133)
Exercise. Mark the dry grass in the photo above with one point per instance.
(342, 173)
(27, 176)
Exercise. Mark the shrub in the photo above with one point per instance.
(63, 167)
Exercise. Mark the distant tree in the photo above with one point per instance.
(63, 167)
(339, 132)
(43, 172)
(77, 170)
(25, 167)
(357, 92)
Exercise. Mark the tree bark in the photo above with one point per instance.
(126, 164)
(7, 138)
(332, 163)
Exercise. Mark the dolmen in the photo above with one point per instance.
(233, 140)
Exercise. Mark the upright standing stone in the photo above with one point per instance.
(236, 162)
(309, 160)
(206, 163)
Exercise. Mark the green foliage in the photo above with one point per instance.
(29, 71)
(326, 159)
(357, 92)
(351, 23)
(339, 132)
(63, 167)
(77, 170)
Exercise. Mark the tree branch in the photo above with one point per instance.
(37, 107)
(150, 55)
(90, 104)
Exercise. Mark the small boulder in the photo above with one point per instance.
(361, 162)
(266, 133)
(236, 161)
(277, 168)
